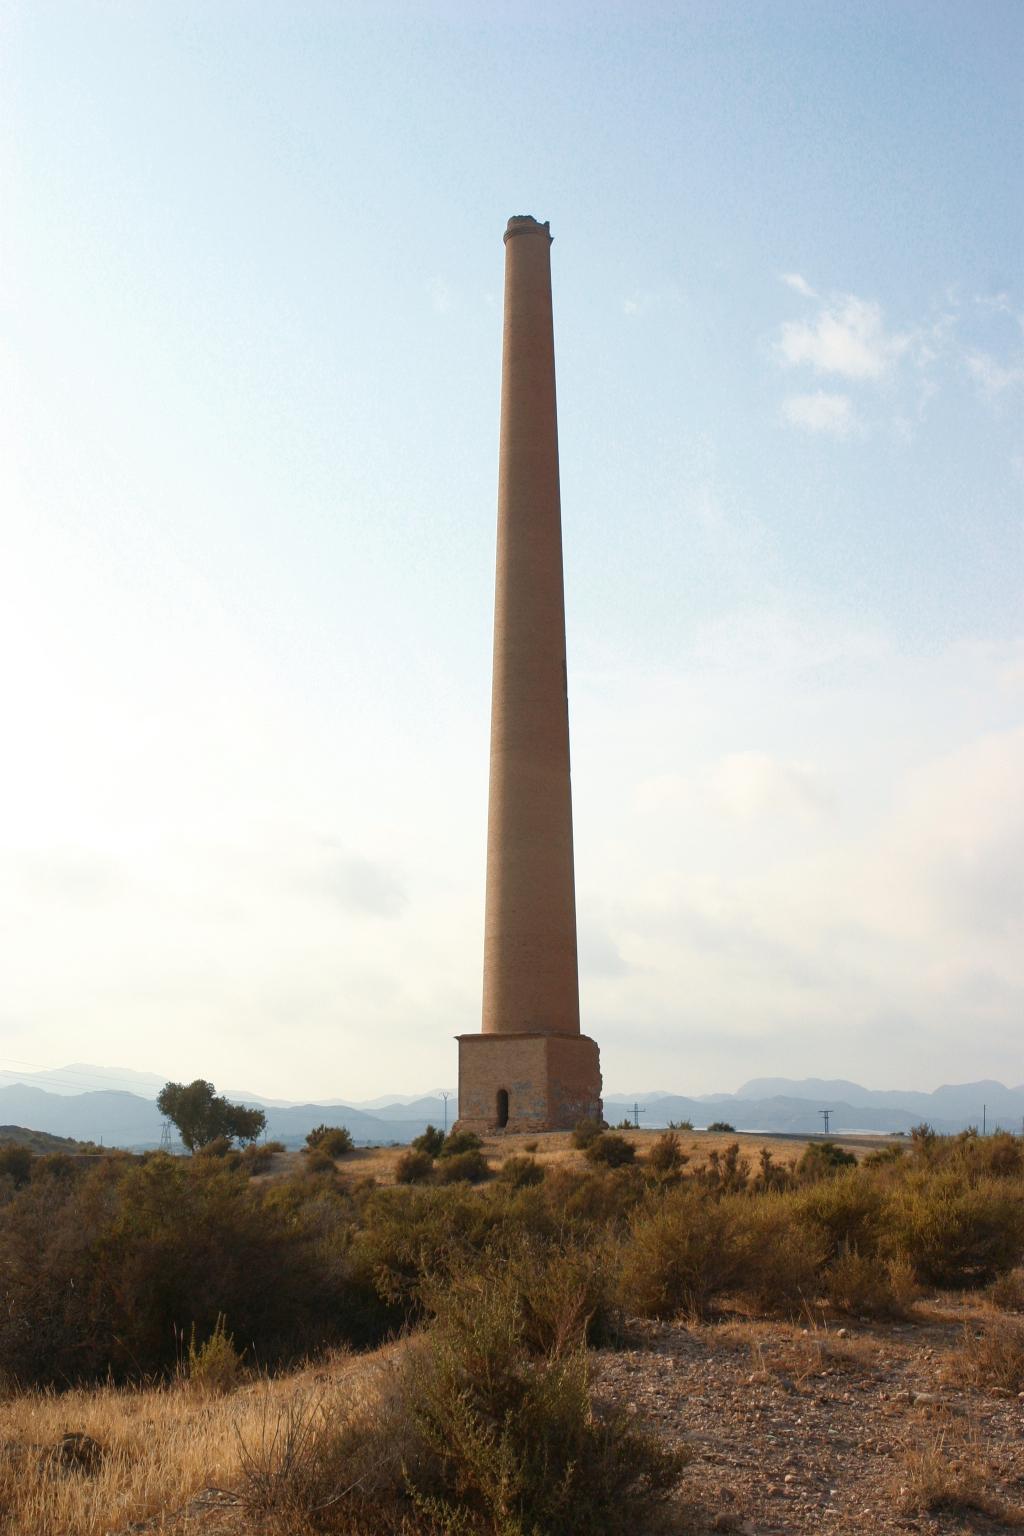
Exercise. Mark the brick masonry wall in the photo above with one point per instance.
(552, 1081)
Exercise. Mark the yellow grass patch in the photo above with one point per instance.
(161, 1446)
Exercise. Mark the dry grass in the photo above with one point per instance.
(952, 1476)
(992, 1356)
(794, 1355)
(161, 1446)
(554, 1149)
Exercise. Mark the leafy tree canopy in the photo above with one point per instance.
(202, 1115)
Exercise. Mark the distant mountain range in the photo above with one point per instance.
(127, 1116)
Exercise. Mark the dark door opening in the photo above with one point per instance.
(502, 1108)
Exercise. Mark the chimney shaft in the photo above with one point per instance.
(530, 969)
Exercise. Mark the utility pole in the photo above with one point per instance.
(824, 1113)
(444, 1095)
(984, 1118)
(636, 1112)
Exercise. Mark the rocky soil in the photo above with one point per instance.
(826, 1430)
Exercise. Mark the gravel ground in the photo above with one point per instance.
(810, 1430)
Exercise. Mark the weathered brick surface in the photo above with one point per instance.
(552, 1081)
(530, 972)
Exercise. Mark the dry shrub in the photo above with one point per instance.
(561, 1290)
(512, 1444)
(682, 1251)
(772, 1176)
(1007, 1292)
(585, 1132)
(726, 1172)
(848, 1212)
(780, 1259)
(215, 1365)
(610, 1149)
(414, 1167)
(871, 1286)
(667, 1157)
(957, 1235)
(462, 1167)
(990, 1357)
(595, 1199)
(689, 1248)
(521, 1172)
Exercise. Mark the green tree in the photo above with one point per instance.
(202, 1115)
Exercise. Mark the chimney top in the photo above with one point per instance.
(526, 224)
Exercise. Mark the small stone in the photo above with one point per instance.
(842, 1333)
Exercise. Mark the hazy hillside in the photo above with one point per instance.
(124, 1118)
(127, 1120)
(956, 1102)
(36, 1141)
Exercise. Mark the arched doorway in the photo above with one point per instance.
(502, 1108)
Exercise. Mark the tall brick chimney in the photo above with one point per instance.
(529, 1068)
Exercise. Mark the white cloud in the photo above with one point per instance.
(750, 784)
(821, 412)
(798, 284)
(993, 376)
(848, 337)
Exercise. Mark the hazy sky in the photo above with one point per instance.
(250, 323)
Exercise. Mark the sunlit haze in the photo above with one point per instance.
(251, 332)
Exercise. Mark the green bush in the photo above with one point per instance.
(16, 1164)
(511, 1443)
(431, 1141)
(102, 1268)
(722, 1125)
(821, 1159)
(407, 1232)
(585, 1132)
(611, 1150)
(335, 1140)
